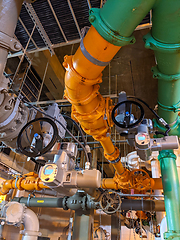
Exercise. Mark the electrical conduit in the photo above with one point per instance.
(83, 70)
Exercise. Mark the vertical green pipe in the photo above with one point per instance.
(166, 36)
(171, 191)
(165, 41)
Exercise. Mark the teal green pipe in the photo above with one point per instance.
(126, 15)
(165, 41)
(116, 21)
(171, 192)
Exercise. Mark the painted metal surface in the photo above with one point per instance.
(171, 192)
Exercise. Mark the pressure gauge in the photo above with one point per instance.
(142, 140)
(48, 173)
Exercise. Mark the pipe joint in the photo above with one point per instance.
(175, 126)
(107, 33)
(73, 74)
(85, 101)
(115, 155)
(157, 74)
(153, 44)
(166, 154)
(175, 235)
(174, 108)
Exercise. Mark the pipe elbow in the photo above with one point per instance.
(31, 225)
(6, 186)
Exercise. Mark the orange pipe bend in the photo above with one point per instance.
(29, 181)
(82, 80)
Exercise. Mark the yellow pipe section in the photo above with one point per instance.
(29, 181)
(111, 183)
(89, 108)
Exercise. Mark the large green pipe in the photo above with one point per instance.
(164, 39)
(171, 192)
(117, 20)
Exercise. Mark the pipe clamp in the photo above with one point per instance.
(174, 108)
(172, 235)
(152, 43)
(90, 57)
(157, 74)
(107, 33)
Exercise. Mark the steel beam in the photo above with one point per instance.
(39, 26)
(58, 23)
(74, 17)
(20, 20)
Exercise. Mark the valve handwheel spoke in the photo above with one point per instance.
(110, 202)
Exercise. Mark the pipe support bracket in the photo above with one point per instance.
(107, 33)
(9, 43)
(153, 44)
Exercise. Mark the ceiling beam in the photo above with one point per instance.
(58, 23)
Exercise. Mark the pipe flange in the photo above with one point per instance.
(85, 101)
(157, 74)
(153, 44)
(174, 126)
(64, 203)
(30, 233)
(166, 154)
(98, 112)
(107, 33)
(111, 157)
(174, 108)
(172, 235)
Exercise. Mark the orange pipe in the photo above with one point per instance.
(109, 183)
(29, 182)
(82, 80)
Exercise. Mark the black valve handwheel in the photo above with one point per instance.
(30, 152)
(131, 125)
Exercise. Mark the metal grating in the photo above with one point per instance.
(61, 21)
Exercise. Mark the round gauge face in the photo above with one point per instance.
(48, 170)
(141, 137)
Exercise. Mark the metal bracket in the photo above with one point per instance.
(9, 43)
(13, 114)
